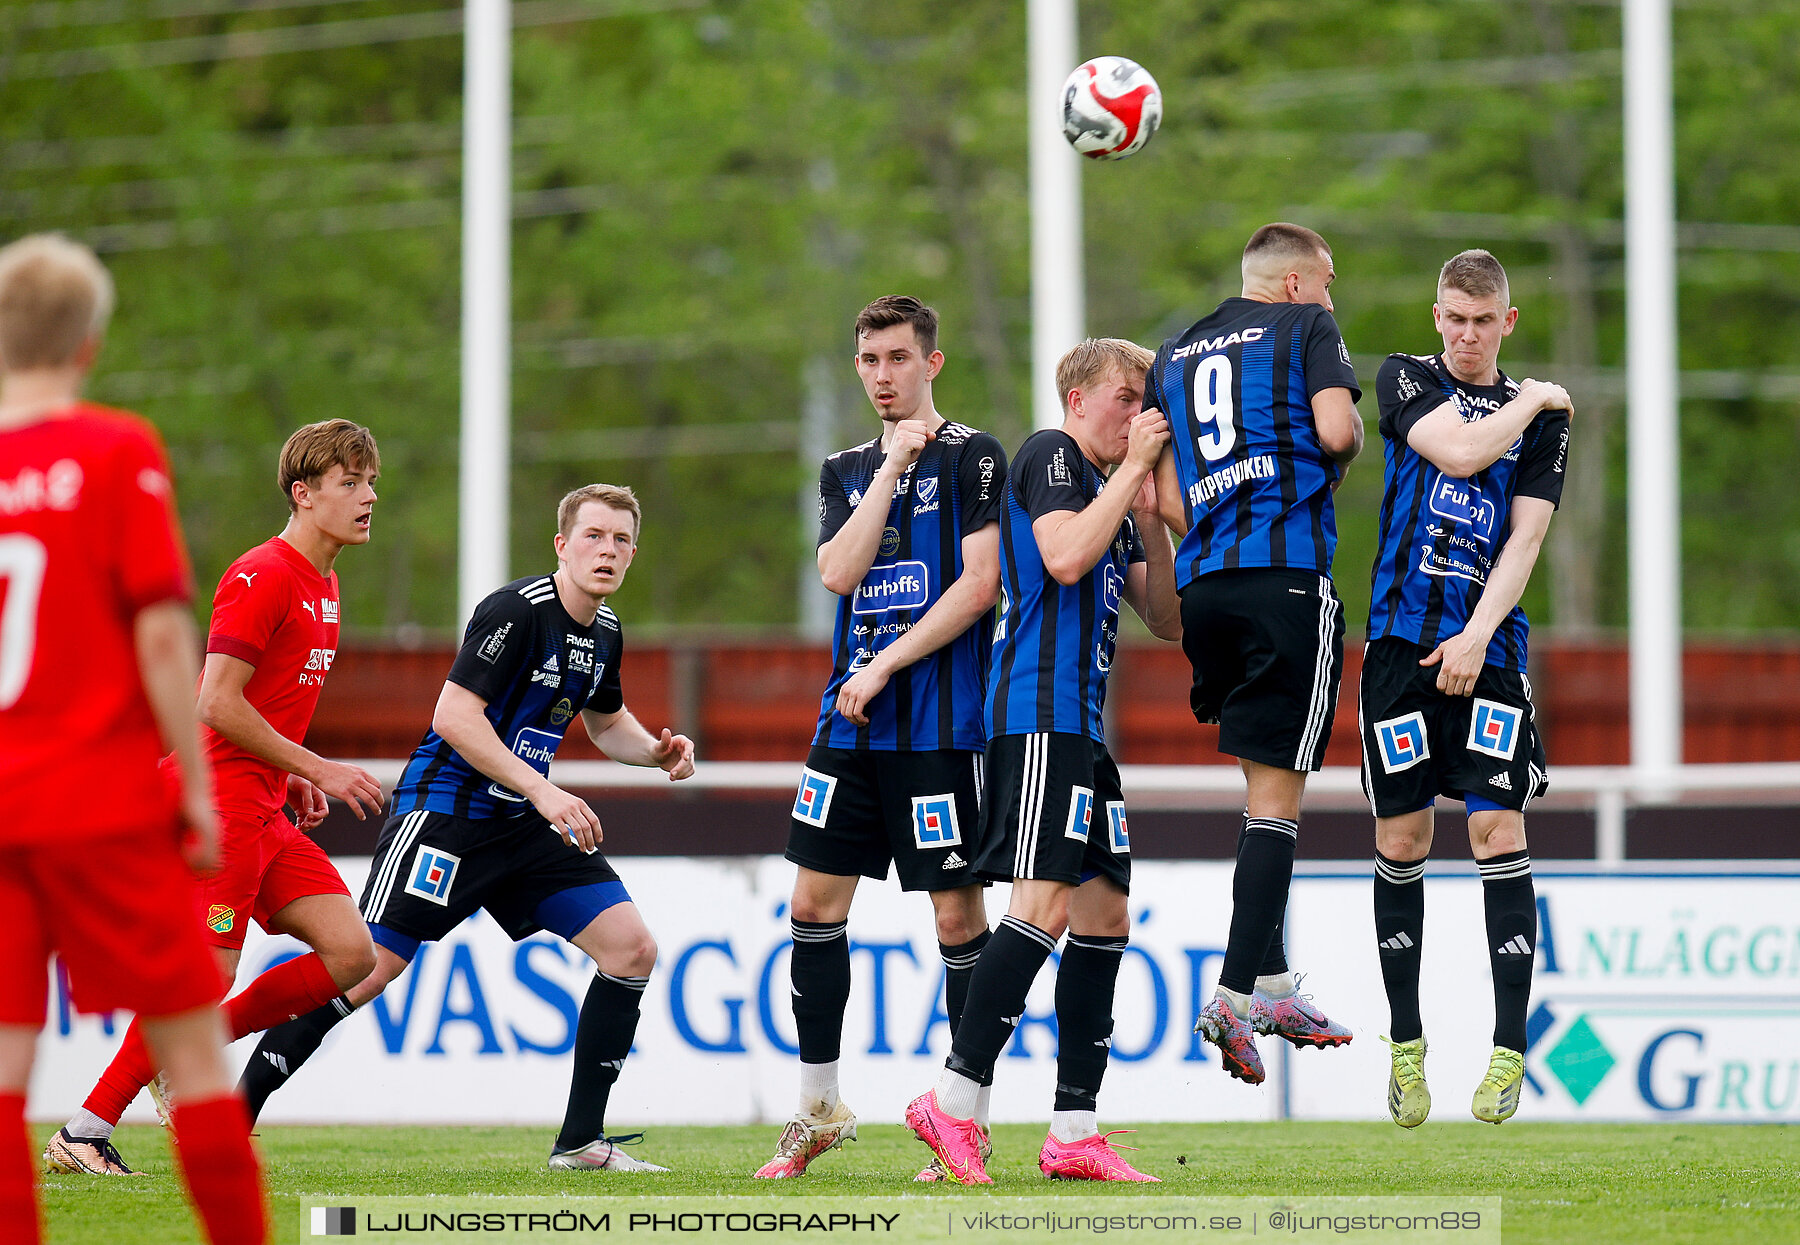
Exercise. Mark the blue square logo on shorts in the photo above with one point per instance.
(813, 802)
(1115, 824)
(1494, 729)
(1402, 741)
(433, 873)
(1081, 814)
(934, 821)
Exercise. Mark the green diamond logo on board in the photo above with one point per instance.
(1580, 1061)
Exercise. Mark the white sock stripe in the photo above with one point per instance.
(1278, 824)
(826, 934)
(1508, 869)
(630, 983)
(1030, 931)
(961, 961)
(1315, 710)
(1399, 874)
(1100, 944)
(342, 1005)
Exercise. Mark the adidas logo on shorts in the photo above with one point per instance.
(953, 861)
(1502, 781)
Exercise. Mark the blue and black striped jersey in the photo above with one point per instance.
(953, 490)
(1440, 535)
(536, 668)
(1054, 643)
(1237, 389)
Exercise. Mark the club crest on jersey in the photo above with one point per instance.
(1118, 833)
(934, 821)
(220, 918)
(925, 495)
(433, 873)
(1494, 729)
(1402, 741)
(1081, 814)
(812, 804)
(902, 586)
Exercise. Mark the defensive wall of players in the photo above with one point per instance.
(1671, 994)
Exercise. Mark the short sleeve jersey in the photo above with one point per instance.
(1440, 535)
(1237, 389)
(536, 668)
(953, 490)
(274, 610)
(88, 539)
(1054, 643)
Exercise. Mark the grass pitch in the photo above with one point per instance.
(1560, 1182)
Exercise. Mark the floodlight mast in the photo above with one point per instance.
(1058, 283)
(1652, 392)
(485, 444)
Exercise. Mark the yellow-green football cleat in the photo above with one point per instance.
(1409, 1098)
(1497, 1097)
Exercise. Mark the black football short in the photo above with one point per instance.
(1419, 743)
(433, 870)
(857, 809)
(1267, 648)
(1053, 810)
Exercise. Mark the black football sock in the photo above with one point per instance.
(1002, 979)
(284, 1048)
(1399, 934)
(959, 969)
(1275, 961)
(1511, 903)
(1275, 958)
(820, 972)
(1085, 981)
(609, 1020)
(1259, 891)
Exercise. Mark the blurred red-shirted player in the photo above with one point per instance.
(273, 636)
(96, 683)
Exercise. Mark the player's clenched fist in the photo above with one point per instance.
(1148, 434)
(909, 440)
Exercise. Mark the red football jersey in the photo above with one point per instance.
(88, 538)
(274, 610)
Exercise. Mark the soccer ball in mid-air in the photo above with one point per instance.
(1110, 108)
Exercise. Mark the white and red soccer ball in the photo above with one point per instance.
(1110, 108)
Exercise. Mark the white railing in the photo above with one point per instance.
(1610, 791)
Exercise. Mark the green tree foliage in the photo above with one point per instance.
(705, 193)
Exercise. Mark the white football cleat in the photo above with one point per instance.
(602, 1155)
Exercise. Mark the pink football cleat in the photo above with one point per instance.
(1091, 1158)
(956, 1143)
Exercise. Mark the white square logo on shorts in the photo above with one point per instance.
(1081, 813)
(1402, 742)
(1119, 833)
(813, 802)
(934, 821)
(1494, 729)
(432, 875)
